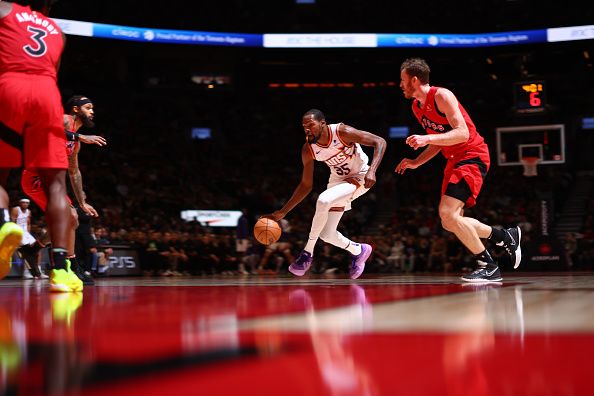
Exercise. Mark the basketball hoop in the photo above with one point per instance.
(530, 166)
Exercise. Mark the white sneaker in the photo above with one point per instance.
(27, 274)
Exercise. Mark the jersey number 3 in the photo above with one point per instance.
(40, 47)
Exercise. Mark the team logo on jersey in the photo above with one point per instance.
(434, 126)
(36, 182)
(345, 154)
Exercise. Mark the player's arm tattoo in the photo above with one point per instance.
(68, 123)
(68, 126)
(76, 177)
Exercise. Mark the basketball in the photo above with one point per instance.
(267, 231)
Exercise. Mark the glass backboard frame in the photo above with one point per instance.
(519, 129)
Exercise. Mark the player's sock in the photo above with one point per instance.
(58, 258)
(484, 258)
(354, 248)
(497, 235)
(310, 245)
(317, 224)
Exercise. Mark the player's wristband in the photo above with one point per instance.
(72, 136)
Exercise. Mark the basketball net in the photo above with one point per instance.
(530, 166)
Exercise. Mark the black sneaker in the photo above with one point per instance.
(511, 244)
(488, 273)
(34, 270)
(86, 279)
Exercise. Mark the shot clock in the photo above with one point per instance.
(530, 96)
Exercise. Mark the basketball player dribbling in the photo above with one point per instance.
(80, 112)
(451, 132)
(339, 146)
(31, 128)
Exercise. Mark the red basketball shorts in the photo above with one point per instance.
(31, 184)
(464, 175)
(31, 123)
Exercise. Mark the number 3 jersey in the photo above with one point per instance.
(30, 101)
(30, 43)
(344, 160)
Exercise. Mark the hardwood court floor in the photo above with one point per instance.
(379, 335)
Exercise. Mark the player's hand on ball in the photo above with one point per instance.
(276, 216)
(267, 231)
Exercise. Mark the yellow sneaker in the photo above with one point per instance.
(10, 240)
(64, 306)
(64, 280)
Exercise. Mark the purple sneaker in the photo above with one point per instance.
(359, 261)
(302, 264)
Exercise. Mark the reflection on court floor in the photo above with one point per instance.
(413, 335)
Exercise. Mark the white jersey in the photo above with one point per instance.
(22, 221)
(22, 218)
(344, 160)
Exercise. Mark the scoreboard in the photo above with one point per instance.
(530, 96)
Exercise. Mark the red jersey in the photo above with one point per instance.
(434, 122)
(29, 43)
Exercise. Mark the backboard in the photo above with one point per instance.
(546, 142)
